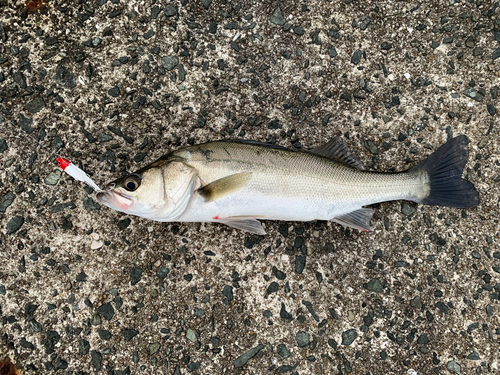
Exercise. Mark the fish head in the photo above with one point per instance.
(159, 192)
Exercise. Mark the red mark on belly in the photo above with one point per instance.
(216, 217)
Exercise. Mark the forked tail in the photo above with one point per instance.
(443, 171)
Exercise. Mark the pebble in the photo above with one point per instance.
(91, 205)
(349, 336)
(300, 263)
(454, 367)
(245, 357)
(277, 17)
(96, 359)
(302, 338)
(135, 275)
(64, 77)
(6, 201)
(192, 335)
(153, 348)
(14, 224)
(283, 351)
(129, 333)
(169, 62)
(107, 311)
(3, 146)
(356, 57)
(53, 177)
(35, 105)
(374, 286)
(408, 209)
(170, 11)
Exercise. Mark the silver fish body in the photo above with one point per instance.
(239, 182)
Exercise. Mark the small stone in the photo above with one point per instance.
(3, 146)
(169, 62)
(386, 46)
(35, 105)
(370, 146)
(245, 357)
(83, 347)
(453, 367)
(162, 272)
(434, 45)
(416, 302)
(356, 57)
(6, 201)
(124, 224)
(129, 333)
(349, 336)
(192, 335)
(496, 54)
(106, 311)
(407, 209)
(283, 351)
(170, 11)
(64, 77)
(14, 224)
(153, 348)
(423, 339)
(228, 292)
(114, 92)
(135, 275)
(273, 287)
(96, 359)
(285, 314)
(474, 356)
(25, 123)
(374, 286)
(491, 109)
(206, 3)
(299, 30)
(90, 205)
(300, 263)
(277, 17)
(104, 334)
(53, 177)
(470, 41)
(302, 338)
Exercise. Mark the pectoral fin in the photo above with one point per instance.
(249, 224)
(224, 186)
(359, 219)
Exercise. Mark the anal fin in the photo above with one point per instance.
(359, 219)
(247, 224)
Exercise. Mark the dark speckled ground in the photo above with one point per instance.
(113, 85)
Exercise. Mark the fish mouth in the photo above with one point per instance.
(114, 199)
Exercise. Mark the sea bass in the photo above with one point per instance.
(239, 182)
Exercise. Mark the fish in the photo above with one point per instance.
(240, 182)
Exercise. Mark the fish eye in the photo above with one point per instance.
(132, 182)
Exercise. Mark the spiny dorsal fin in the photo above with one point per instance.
(224, 186)
(359, 219)
(338, 150)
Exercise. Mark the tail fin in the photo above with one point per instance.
(444, 170)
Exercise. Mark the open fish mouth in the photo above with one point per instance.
(115, 200)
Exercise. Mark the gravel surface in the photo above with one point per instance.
(113, 85)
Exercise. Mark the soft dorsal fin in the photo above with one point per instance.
(224, 186)
(338, 150)
(359, 219)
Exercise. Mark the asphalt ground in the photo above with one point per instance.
(113, 85)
